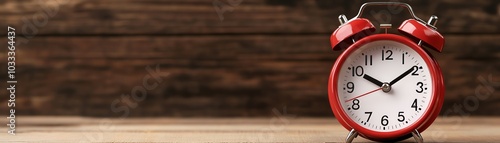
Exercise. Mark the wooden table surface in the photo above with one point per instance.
(276, 129)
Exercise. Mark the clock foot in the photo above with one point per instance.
(417, 136)
(352, 134)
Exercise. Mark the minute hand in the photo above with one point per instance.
(401, 76)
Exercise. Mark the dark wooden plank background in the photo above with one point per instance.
(79, 56)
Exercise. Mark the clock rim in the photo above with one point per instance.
(424, 121)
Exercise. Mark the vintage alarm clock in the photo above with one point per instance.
(386, 87)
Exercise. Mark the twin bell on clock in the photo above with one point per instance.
(386, 87)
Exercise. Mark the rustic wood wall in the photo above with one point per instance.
(78, 57)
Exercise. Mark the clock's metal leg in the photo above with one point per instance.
(417, 136)
(352, 134)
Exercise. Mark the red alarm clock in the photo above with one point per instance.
(386, 87)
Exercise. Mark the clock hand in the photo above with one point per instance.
(364, 94)
(401, 76)
(373, 80)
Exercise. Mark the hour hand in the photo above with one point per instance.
(373, 80)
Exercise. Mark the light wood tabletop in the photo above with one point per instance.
(228, 130)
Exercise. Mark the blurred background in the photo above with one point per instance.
(221, 58)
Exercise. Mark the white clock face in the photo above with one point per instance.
(384, 86)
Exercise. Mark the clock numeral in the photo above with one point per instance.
(415, 70)
(355, 104)
(403, 58)
(384, 120)
(357, 71)
(350, 87)
(414, 104)
(401, 117)
(369, 116)
(420, 87)
(368, 60)
(389, 52)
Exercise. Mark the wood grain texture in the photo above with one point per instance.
(80, 57)
(217, 76)
(229, 130)
(131, 17)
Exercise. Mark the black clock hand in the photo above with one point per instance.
(401, 76)
(373, 80)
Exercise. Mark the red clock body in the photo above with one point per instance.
(386, 87)
(342, 88)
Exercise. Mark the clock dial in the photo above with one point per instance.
(384, 86)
